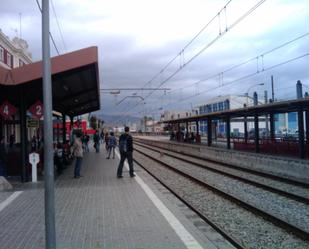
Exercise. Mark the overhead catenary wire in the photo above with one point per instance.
(187, 45)
(211, 42)
(58, 25)
(247, 61)
(244, 63)
(203, 49)
(237, 80)
(50, 34)
(261, 57)
(245, 77)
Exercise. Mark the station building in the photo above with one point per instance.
(75, 91)
(13, 53)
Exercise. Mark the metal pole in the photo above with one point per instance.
(64, 135)
(307, 126)
(272, 127)
(301, 135)
(256, 133)
(50, 231)
(246, 129)
(209, 131)
(272, 89)
(228, 132)
(23, 136)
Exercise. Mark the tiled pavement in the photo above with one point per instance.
(95, 211)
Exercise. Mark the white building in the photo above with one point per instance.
(177, 114)
(223, 103)
(13, 53)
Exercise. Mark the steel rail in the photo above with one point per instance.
(271, 218)
(219, 229)
(239, 178)
(256, 172)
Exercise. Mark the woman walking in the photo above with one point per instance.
(78, 153)
(112, 142)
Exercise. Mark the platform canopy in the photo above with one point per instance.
(264, 109)
(75, 83)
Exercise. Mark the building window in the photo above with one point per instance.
(9, 59)
(221, 106)
(215, 107)
(209, 109)
(1, 54)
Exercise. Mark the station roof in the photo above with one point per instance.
(270, 108)
(75, 82)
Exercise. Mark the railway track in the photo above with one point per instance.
(226, 197)
(298, 193)
(228, 165)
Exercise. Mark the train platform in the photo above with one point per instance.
(99, 210)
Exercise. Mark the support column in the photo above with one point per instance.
(246, 129)
(228, 132)
(301, 137)
(272, 126)
(58, 129)
(187, 132)
(209, 132)
(256, 133)
(23, 137)
(307, 126)
(64, 134)
(71, 129)
(197, 128)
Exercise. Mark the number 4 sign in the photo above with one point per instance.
(36, 109)
(7, 109)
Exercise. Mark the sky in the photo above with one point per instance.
(195, 49)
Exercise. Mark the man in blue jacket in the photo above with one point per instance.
(126, 152)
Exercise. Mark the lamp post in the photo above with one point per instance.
(247, 92)
(245, 118)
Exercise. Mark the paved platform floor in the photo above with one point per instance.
(101, 211)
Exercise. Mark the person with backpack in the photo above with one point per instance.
(126, 152)
(112, 142)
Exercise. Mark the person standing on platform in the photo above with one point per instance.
(102, 137)
(78, 153)
(106, 141)
(96, 140)
(112, 142)
(126, 152)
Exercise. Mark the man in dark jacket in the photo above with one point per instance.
(126, 152)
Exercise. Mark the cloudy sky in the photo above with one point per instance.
(153, 44)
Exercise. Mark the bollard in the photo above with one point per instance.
(34, 159)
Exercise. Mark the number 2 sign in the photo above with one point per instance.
(36, 109)
(7, 109)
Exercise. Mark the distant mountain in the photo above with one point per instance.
(118, 120)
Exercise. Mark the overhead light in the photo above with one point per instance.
(76, 100)
(65, 87)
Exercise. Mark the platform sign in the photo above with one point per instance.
(36, 109)
(7, 109)
(33, 123)
(34, 159)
